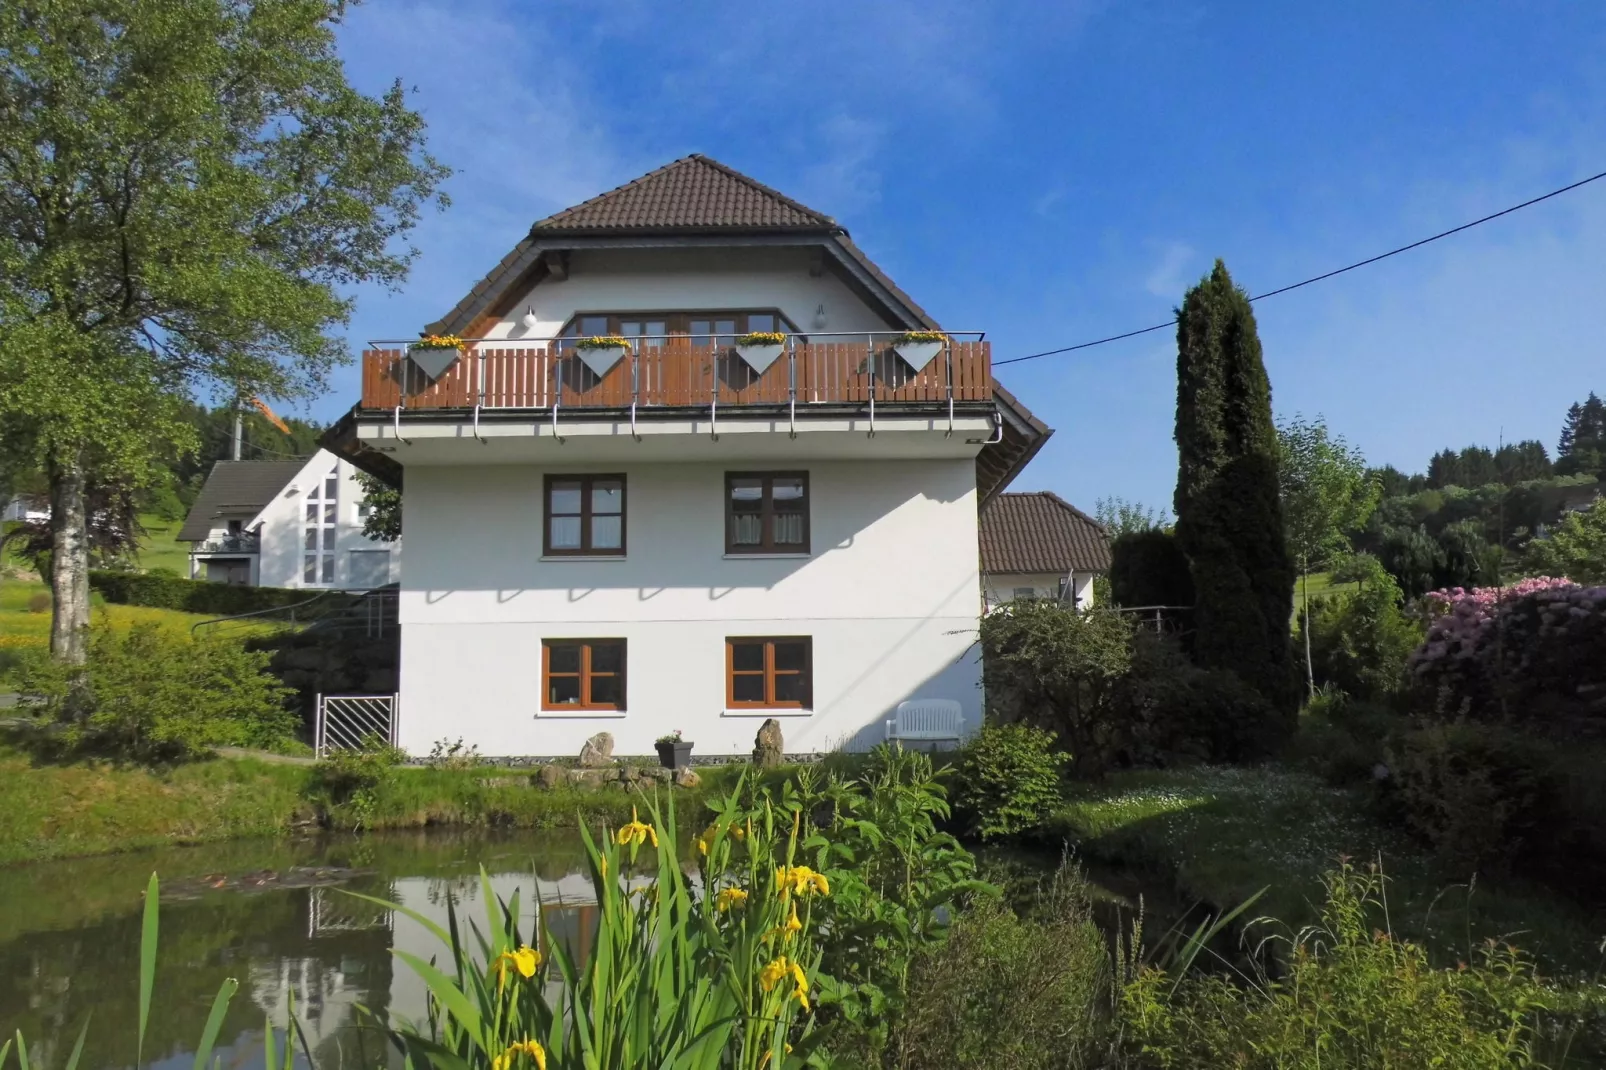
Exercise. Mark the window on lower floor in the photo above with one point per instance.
(766, 672)
(583, 674)
(1022, 593)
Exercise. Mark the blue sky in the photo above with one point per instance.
(1054, 173)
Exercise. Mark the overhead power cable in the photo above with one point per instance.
(1321, 277)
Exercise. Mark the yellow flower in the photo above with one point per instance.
(636, 832)
(705, 842)
(780, 967)
(524, 961)
(792, 924)
(801, 880)
(730, 897)
(532, 1048)
(771, 974)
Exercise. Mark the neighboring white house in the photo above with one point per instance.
(291, 523)
(685, 533)
(1036, 544)
(26, 508)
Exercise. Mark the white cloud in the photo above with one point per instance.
(1167, 278)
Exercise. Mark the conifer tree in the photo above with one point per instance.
(1229, 519)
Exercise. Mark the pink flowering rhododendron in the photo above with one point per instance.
(1536, 648)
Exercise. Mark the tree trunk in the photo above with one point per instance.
(1304, 593)
(69, 563)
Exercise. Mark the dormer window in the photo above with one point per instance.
(702, 328)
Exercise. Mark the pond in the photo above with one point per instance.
(70, 935)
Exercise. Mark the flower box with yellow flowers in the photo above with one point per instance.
(434, 353)
(760, 349)
(918, 347)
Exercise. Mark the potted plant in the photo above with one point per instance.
(918, 347)
(673, 752)
(760, 349)
(601, 352)
(434, 353)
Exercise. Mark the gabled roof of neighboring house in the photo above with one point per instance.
(693, 193)
(1038, 531)
(234, 487)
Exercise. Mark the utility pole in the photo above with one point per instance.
(239, 424)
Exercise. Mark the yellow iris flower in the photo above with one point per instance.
(636, 832)
(730, 897)
(532, 1048)
(524, 961)
(705, 842)
(801, 880)
(779, 968)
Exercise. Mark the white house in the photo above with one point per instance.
(1038, 545)
(685, 532)
(290, 523)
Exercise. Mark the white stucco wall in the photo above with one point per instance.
(1000, 587)
(663, 280)
(889, 594)
(283, 529)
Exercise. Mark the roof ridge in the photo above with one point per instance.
(762, 188)
(559, 219)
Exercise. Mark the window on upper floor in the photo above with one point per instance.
(766, 512)
(585, 516)
(769, 672)
(583, 674)
(320, 508)
(702, 327)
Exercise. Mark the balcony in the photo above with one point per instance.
(244, 543)
(678, 372)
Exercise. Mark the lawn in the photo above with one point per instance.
(1222, 834)
(159, 549)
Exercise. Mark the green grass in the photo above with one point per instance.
(158, 548)
(69, 809)
(1222, 834)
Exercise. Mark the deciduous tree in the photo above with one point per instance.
(1326, 494)
(188, 188)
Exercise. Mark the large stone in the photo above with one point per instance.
(598, 751)
(768, 744)
(591, 778)
(687, 778)
(550, 776)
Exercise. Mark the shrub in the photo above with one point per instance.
(1533, 653)
(1575, 546)
(39, 603)
(1412, 557)
(1168, 710)
(1474, 793)
(1008, 992)
(1008, 779)
(156, 695)
(1056, 667)
(350, 782)
(1148, 569)
(190, 596)
(1361, 640)
(1352, 996)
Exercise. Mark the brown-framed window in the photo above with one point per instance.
(702, 327)
(585, 515)
(769, 672)
(583, 674)
(766, 512)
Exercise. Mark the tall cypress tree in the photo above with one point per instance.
(1229, 520)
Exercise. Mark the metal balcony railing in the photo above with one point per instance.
(243, 543)
(677, 370)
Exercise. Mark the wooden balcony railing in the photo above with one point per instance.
(503, 375)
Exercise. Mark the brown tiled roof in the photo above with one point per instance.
(1038, 531)
(692, 194)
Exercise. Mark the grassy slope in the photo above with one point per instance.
(1226, 833)
(83, 808)
(158, 549)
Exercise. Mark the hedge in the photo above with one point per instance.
(191, 596)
